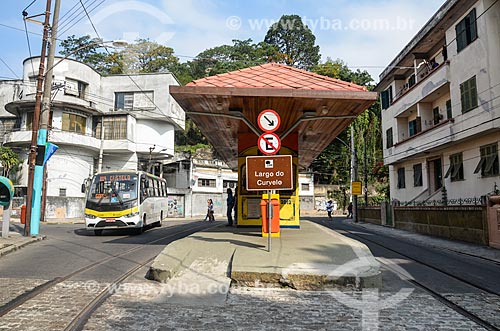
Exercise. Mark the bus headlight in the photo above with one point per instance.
(132, 214)
(90, 216)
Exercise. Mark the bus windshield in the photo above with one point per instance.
(115, 188)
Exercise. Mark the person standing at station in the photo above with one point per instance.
(329, 209)
(210, 210)
(349, 210)
(230, 206)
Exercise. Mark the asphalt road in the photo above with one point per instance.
(69, 247)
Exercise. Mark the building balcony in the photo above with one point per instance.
(421, 143)
(426, 86)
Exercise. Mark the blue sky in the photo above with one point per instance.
(365, 34)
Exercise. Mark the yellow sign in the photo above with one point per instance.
(356, 188)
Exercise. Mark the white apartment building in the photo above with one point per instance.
(441, 106)
(108, 122)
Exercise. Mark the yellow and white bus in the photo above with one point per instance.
(124, 200)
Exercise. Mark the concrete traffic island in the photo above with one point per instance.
(310, 258)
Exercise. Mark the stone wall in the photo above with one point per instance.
(370, 214)
(465, 223)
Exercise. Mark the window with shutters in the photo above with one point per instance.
(449, 113)
(401, 178)
(387, 98)
(468, 94)
(466, 30)
(414, 126)
(417, 175)
(389, 138)
(456, 169)
(488, 164)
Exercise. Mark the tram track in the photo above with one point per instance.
(438, 296)
(42, 288)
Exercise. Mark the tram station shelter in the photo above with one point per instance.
(313, 109)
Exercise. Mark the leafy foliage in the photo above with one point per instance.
(9, 159)
(295, 41)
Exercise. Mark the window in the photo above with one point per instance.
(466, 30)
(134, 100)
(456, 169)
(115, 127)
(488, 165)
(417, 175)
(401, 178)
(414, 127)
(386, 98)
(228, 184)
(411, 81)
(74, 123)
(62, 192)
(436, 115)
(206, 182)
(75, 87)
(124, 100)
(468, 94)
(449, 114)
(305, 187)
(389, 138)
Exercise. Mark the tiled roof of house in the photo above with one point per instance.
(274, 75)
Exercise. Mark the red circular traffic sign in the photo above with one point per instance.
(269, 143)
(269, 120)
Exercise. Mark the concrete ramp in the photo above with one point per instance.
(312, 257)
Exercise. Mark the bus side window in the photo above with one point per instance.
(144, 188)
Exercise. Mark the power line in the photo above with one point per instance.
(83, 16)
(12, 71)
(28, 40)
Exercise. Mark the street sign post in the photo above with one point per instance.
(259, 168)
(356, 188)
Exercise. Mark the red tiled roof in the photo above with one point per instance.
(274, 75)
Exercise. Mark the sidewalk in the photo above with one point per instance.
(15, 240)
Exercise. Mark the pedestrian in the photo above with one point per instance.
(236, 206)
(230, 206)
(210, 210)
(329, 209)
(349, 210)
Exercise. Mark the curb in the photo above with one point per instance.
(19, 245)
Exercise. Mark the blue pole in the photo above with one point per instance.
(37, 189)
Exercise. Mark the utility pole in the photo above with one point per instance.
(38, 183)
(45, 111)
(366, 175)
(32, 158)
(354, 175)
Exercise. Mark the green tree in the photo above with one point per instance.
(9, 159)
(333, 165)
(148, 56)
(295, 41)
(226, 58)
(90, 51)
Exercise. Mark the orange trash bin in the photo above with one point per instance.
(275, 226)
(23, 214)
